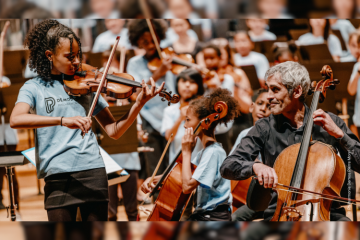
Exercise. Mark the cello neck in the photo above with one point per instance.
(171, 166)
(305, 143)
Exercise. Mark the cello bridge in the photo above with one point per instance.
(292, 214)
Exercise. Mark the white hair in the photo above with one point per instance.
(292, 75)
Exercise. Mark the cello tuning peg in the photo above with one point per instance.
(163, 99)
(170, 92)
(164, 88)
(313, 84)
(332, 87)
(169, 104)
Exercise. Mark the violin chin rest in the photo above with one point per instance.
(258, 197)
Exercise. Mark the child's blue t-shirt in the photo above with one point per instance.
(214, 190)
(60, 149)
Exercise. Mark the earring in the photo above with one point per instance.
(50, 64)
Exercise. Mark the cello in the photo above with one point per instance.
(172, 201)
(297, 167)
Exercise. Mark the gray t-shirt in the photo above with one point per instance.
(153, 110)
(214, 190)
(61, 149)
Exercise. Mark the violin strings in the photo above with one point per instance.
(337, 200)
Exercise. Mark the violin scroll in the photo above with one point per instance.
(166, 96)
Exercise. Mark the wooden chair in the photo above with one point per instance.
(315, 52)
(339, 36)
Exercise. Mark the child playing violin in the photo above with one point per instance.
(72, 166)
(213, 192)
(152, 114)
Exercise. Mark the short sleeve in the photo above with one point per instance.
(206, 170)
(27, 94)
(100, 105)
(133, 69)
(6, 80)
(354, 71)
(334, 46)
(228, 83)
(167, 121)
(262, 65)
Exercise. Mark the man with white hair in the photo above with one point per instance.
(288, 85)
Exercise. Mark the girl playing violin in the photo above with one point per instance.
(72, 166)
(213, 192)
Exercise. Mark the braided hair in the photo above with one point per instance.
(46, 36)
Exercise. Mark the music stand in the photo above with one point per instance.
(252, 75)
(9, 160)
(127, 143)
(316, 52)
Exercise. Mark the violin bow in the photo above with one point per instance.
(146, 11)
(102, 81)
(153, 34)
(155, 171)
(122, 59)
(161, 159)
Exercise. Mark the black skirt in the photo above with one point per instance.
(66, 189)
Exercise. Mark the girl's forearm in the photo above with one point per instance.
(31, 121)
(186, 170)
(118, 128)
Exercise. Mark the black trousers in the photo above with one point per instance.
(129, 189)
(244, 213)
(221, 213)
(92, 211)
(2, 176)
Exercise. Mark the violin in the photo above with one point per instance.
(118, 85)
(179, 61)
(310, 173)
(172, 201)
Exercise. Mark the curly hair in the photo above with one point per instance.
(46, 36)
(204, 106)
(137, 27)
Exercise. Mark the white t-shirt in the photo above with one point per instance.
(334, 44)
(104, 41)
(265, 36)
(10, 134)
(254, 58)
(345, 27)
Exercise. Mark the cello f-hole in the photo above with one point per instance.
(311, 211)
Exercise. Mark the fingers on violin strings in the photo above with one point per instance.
(160, 88)
(153, 86)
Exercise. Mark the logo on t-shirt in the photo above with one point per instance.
(49, 103)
